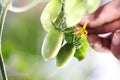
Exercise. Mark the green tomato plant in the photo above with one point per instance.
(64, 39)
(63, 16)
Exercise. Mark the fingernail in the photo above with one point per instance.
(115, 46)
(116, 38)
(90, 40)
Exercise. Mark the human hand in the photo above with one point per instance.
(105, 20)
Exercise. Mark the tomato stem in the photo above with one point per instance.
(60, 22)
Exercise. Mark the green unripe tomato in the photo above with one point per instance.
(92, 5)
(65, 54)
(52, 44)
(81, 52)
(76, 9)
(50, 13)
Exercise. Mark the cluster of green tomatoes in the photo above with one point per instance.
(65, 39)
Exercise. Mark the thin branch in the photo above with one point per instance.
(2, 20)
(25, 8)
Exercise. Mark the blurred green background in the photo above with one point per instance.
(21, 47)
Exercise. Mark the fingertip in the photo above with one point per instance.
(115, 46)
(99, 44)
(91, 20)
(95, 42)
(85, 19)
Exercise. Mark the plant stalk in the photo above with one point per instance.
(2, 20)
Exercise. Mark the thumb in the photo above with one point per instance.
(104, 14)
(115, 45)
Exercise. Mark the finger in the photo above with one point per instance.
(109, 27)
(99, 44)
(105, 14)
(115, 46)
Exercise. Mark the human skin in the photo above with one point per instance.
(105, 20)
